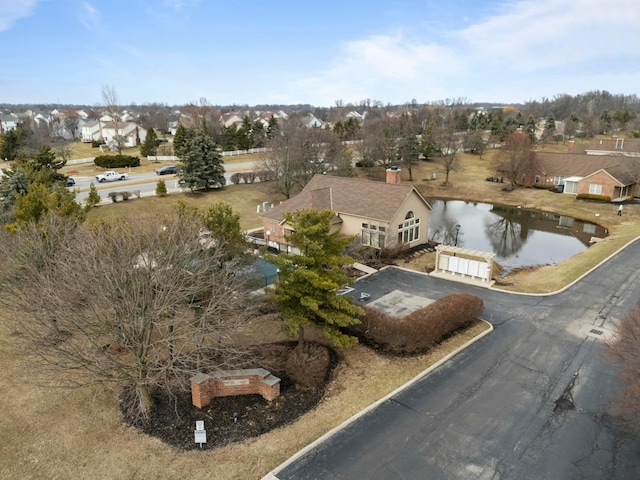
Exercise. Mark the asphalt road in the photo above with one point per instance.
(145, 183)
(531, 400)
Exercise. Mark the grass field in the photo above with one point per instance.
(50, 433)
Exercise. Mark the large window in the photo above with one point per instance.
(373, 235)
(595, 189)
(409, 230)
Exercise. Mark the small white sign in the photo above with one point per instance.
(200, 434)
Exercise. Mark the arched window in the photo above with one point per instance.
(409, 230)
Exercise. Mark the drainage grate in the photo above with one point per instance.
(596, 332)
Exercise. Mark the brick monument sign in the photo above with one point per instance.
(226, 383)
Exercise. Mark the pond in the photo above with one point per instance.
(519, 237)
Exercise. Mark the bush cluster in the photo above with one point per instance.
(308, 365)
(117, 161)
(591, 196)
(421, 330)
(250, 177)
(124, 195)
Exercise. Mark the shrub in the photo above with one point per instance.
(117, 161)
(161, 188)
(265, 175)
(422, 329)
(113, 196)
(96, 143)
(249, 177)
(591, 196)
(308, 365)
(235, 178)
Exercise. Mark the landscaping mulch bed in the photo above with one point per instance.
(173, 416)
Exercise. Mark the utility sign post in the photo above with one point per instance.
(200, 433)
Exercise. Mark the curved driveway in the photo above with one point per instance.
(532, 400)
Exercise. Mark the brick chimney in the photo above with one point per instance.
(393, 175)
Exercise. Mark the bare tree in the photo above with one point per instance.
(515, 158)
(111, 102)
(624, 351)
(294, 156)
(144, 301)
(450, 144)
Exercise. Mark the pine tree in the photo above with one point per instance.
(307, 290)
(161, 188)
(150, 144)
(93, 198)
(531, 128)
(180, 140)
(202, 164)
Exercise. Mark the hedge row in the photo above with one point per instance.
(591, 196)
(422, 329)
(124, 195)
(250, 177)
(117, 161)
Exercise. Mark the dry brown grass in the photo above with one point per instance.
(51, 433)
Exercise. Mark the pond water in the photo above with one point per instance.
(519, 237)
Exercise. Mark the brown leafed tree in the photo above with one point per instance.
(515, 158)
(625, 350)
(145, 302)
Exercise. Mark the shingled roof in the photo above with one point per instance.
(353, 196)
(568, 165)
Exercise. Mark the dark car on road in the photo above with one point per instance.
(70, 182)
(167, 170)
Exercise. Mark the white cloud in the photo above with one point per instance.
(530, 35)
(377, 67)
(12, 10)
(89, 16)
(181, 4)
(527, 48)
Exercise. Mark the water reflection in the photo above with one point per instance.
(519, 237)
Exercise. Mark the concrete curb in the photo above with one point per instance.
(272, 475)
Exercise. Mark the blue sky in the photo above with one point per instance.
(293, 51)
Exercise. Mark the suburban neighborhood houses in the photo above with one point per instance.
(334, 303)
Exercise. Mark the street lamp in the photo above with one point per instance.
(457, 231)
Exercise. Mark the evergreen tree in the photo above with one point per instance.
(605, 118)
(224, 223)
(428, 144)
(272, 128)
(549, 128)
(150, 144)
(259, 135)
(531, 128)
(307, 290)
(161, 188)
(245, 134)
(229, 138)
(180, 140)
(93, 198)
(202, 165)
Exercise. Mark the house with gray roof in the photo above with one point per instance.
(380, 214)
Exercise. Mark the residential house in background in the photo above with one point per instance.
(380, 214)
(8, 122)
(607, 175)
